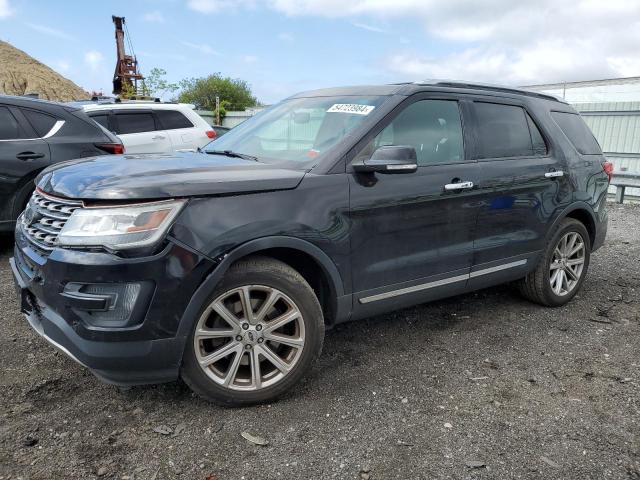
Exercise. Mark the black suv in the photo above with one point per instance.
(35, 134)
(225, 267)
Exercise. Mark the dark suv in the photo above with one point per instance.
(35, 134)
(225, 267)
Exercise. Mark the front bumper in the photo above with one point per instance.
(147, 351)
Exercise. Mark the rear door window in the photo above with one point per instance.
(134, 122)
(9, 127)
(503, 131)
(41, 122)
(102, 119)
(577, 132)
(172, 119)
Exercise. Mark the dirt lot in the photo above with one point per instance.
(479, 386)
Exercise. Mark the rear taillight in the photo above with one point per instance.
(607, 166)
(211, 133)
(112, 148)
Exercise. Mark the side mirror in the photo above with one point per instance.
(390, 159)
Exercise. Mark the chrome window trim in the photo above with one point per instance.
(439, 283)
(56, 127)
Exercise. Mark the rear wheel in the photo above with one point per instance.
(562, 267)
(256, 337)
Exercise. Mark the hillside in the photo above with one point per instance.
(21, 74)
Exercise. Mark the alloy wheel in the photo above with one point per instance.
(249, 338)
(567, 263)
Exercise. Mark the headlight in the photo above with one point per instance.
(119, 228)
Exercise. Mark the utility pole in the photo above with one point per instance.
(217, 110)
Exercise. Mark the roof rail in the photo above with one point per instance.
(102, 99)
(488, 86)
(139, 99)
(144, 100)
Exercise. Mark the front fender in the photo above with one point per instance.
(255, 246)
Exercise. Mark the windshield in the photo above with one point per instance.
(298, 130)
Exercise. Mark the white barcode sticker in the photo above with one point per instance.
(351, 108)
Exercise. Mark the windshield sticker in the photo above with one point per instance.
(351, 108)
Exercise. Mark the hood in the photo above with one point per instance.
(155, 176)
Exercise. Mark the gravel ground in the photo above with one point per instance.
(484, 385)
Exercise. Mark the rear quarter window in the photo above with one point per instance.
(172, 119)
(577, 132)
(41, 122)
(101, 119)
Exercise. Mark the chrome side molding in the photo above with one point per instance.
(440, 283)
(415, 288)
(487, 271)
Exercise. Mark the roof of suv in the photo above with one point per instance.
(409, 88)
(34, 102)
(137, 105)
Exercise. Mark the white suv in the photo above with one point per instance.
(152, 127)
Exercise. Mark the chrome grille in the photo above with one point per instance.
(44, 218)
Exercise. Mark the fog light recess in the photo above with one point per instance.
(105, 304)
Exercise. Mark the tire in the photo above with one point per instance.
(233, 379)
(21, 198)
(537, 285)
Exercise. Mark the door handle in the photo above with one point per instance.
(452, 187)
(158, 137)
(554, 174)
(29, 155)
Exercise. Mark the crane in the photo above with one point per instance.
(126, 76)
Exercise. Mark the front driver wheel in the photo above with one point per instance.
(256, 337)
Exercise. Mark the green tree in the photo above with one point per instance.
(235, 94)
(156, 85)
(128, 90)
(224, 106)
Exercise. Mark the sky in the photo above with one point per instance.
(281, 47)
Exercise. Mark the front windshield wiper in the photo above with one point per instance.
(229, 153)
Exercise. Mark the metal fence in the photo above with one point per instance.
(616, 125)
(231, 119)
